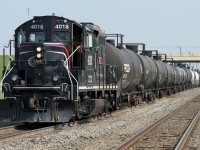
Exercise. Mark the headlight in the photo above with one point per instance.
(14, 77)
(39, 55)
(55, 78)
(39, 49)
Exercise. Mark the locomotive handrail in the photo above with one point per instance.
(73, 52)
(5, 75)
(9, 45)
(11, 59)
(70, 74)
(108, 68)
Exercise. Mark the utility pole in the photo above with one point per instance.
(180, 49)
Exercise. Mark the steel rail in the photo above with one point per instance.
(7, 128)
(26, 133)
(182, 142)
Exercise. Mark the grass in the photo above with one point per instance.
(1, 69)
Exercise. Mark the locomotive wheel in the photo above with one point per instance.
(157, 94)
(114, 104)
(108, 108)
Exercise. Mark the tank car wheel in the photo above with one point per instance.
(160, 94)
(150, 97)
(145, 96)
(154, 96)
(157, 94)
(168, 92)
(174, 91)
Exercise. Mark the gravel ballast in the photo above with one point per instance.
(108, 132)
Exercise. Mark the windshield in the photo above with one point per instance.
(61, 36)
(37, 37)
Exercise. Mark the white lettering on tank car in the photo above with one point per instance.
(126, 68)
(89, 60)
(90, 79)
(147, 71)
(124, 76)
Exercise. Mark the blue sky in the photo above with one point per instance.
(165, 25)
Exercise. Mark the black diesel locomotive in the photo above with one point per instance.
(65, 70)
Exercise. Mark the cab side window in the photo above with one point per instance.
(21, 37)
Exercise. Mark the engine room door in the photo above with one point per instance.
(77, 57)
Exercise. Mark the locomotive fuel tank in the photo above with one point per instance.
(130, 66)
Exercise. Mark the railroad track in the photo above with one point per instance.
(185, 138)
(31, 131)
(168, 131)
(14, 133)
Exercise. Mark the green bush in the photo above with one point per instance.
(1, 69)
